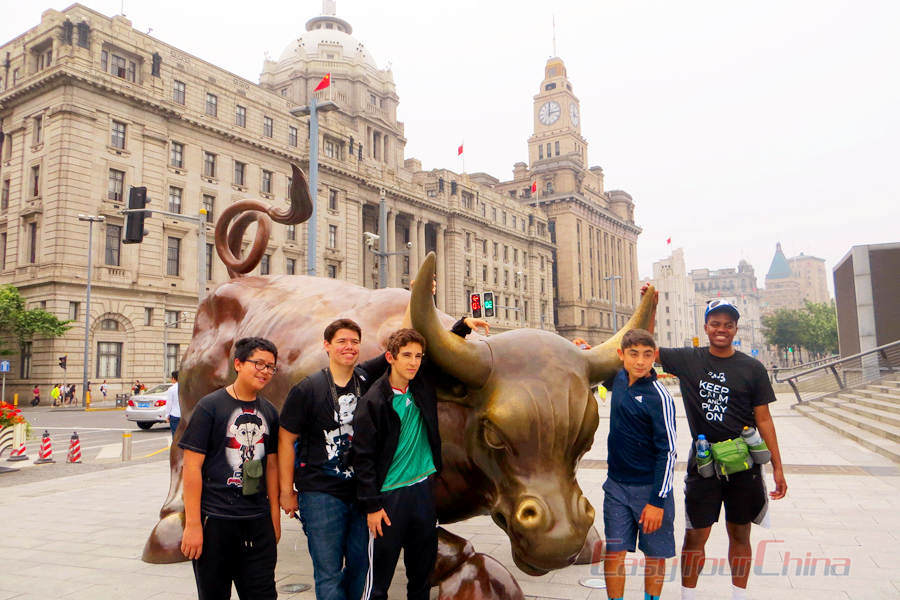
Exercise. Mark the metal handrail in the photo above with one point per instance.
(806, 365)
(882, 351)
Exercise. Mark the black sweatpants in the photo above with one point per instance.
(414, 529)
(239, 550)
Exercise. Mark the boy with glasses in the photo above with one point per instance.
(232, 520)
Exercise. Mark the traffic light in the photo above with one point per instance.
(62, 362)
(790, 350)
(488, 304)
(475, 301)
(134, 222)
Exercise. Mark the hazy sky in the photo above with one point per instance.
(732, 124)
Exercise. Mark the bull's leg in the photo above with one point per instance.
(164, 543)
(592, 551)
(463, 574)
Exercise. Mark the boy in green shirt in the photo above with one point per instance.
(397, 447)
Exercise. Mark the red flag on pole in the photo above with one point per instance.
(534, 187)
(669, 241)
(326, 81)
(459, 150)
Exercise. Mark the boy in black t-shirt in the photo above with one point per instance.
(723, 390)
(232, 520)
(314, 454)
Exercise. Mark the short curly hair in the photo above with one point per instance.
(402, 337)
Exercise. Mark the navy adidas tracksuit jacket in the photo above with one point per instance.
(641, 443)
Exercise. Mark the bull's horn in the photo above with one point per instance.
(470, 362)
(604, 362)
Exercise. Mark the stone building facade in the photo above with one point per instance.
(674, 314)
(738, 286)
(790, 282)
(89, 107)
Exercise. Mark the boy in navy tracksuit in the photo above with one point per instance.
(638, 502)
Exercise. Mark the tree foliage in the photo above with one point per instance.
(20, 324)
(813, 327)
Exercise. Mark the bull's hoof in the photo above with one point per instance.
(481, 577)
(592, 552)
(164, 544)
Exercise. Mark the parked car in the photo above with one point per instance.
(148, 408)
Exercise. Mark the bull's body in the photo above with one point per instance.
(512, 429)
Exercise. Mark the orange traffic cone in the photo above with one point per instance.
(46, 454)
(74, 455)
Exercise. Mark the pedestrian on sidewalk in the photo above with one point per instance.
(232, 519)
(173, 407)
(37, 395)
(104, 389)
(55, 394)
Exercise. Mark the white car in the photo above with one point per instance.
(148, 408)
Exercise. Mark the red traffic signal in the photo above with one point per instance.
(475, 302)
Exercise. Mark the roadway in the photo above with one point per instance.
(100, 433)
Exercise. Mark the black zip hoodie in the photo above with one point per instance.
(376, 428)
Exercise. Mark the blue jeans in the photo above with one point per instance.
(338, 545)
(173, 424)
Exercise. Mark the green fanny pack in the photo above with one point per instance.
(731, 456)
(252, 471)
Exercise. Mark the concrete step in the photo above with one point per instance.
(862, 437)
(885, 405)
(881, 388)
(876, 394)
(873, 426)
(882, 416)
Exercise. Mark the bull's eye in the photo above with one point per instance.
(492, 437)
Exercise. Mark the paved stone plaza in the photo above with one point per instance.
(82, 536)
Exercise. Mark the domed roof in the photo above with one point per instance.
(327, 37)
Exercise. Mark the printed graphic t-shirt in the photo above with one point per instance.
(325, 436)
(719, 394)
(229, 431)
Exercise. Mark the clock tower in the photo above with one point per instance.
(592, 229)
(556, 141)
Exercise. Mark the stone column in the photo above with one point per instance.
(363, 250)
(392, 247)
(420, 242)
(415, 251)
(441, 266)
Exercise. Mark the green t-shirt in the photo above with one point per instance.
(412, 460)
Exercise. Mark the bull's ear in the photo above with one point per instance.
(603, 359)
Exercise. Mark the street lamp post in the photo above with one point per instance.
(612, 280)
(313, 109)
(90, 219)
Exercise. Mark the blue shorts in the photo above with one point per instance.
(622, 507)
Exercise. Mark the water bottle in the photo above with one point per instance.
(758, 449)
(705, 465)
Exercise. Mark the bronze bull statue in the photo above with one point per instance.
(516, 410)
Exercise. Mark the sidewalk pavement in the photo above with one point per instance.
(834, 536)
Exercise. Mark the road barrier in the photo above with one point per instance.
(46, 454)
(18, 446)
(74, 455)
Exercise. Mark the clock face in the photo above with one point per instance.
(549, 112)
(573, 114)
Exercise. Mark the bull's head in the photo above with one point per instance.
(534, 418)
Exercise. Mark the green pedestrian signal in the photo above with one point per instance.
(488, 304)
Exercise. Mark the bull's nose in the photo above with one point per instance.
(531, 514)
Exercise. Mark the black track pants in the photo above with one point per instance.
(414, 529)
